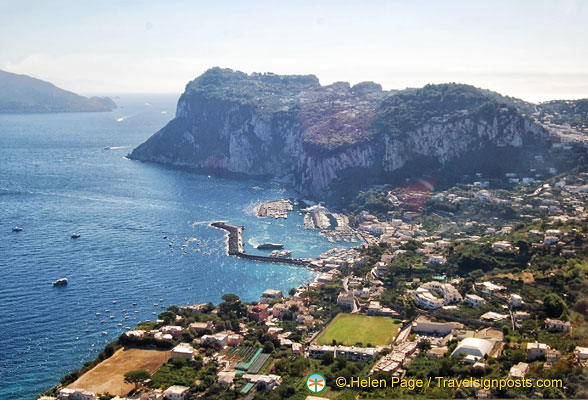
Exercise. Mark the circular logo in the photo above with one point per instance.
(316, 383)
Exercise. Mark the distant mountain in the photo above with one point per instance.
(332, 140)
(23, 94)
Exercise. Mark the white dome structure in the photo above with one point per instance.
(473, 347)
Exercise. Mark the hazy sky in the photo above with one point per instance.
(536, 50)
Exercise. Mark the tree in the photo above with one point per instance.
(424, 345)
(136, 377)
(328, 358)
(553, 305)
(268, 347)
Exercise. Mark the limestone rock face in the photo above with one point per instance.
(315, 137)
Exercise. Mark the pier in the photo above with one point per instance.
(235, 246)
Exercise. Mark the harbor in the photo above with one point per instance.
(235, 247)
(275, 209)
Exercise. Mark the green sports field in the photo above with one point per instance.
(352, 328)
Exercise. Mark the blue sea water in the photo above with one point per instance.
(56, 178)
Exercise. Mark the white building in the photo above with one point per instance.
(269, 295)
(518, 371)
(516, 300)
(183, 350)
(536, 350)
(346, 300)
(474, 300)
(423, 325)
(556, 325)
(176, 393)
(473, 347)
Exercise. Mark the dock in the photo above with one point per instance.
(235, 246)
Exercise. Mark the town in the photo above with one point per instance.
(485, 279)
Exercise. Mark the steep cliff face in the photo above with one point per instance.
(315, 136)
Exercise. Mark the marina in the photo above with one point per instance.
(276, 209)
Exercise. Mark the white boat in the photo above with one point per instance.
(60, 282)
(75, 235)
(17, 229)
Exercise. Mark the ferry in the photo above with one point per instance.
(270, 246)
(60, 282)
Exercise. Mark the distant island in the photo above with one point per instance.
(24, 94)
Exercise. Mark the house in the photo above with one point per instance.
(278, 310)
(536, 350)
(489, 288)
(183, 350)
(297, 348)
(501, 246)
(173, 330)
(493, 316)
(446, 290)
(550, 240)
(176, 393)
(201, 326)
(268, 382)
(582, 355)
(346, 300)
(258, 313)
(269, 295)
(218, 339)
(381, 269)
(556, 325)
(473, 347)
(427, 300)
(436, 260)
(474, 300)
(516, 300)
(375, 308)
(226, 377)
(518, 371)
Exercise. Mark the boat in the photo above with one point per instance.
(75, 235)
(281, 254)
(270, 246)
(111, 317)
(114, 301)
(104, 333)
(97, 314)
(17, 229)
(60, 282)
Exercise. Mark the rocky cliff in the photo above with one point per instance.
(325, 138)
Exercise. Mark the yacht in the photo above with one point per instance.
(270, 246)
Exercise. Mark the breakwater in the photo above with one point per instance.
(235, 246)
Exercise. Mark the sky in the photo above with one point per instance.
(535, 50)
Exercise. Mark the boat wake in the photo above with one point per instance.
(116, 147)
(121, 119)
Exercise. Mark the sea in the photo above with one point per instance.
(145, 241)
